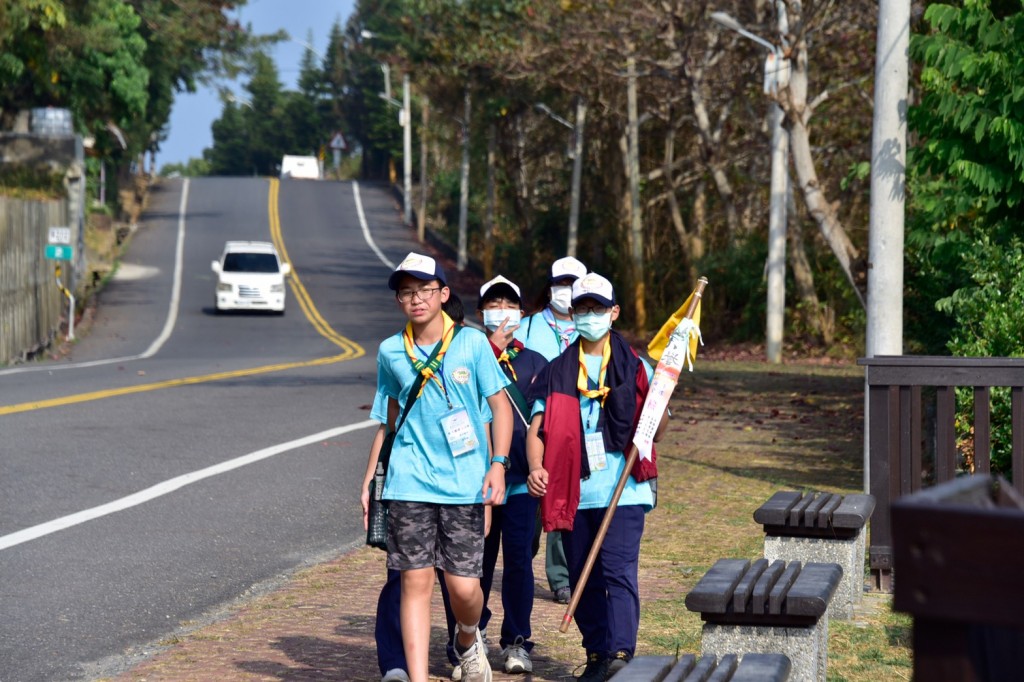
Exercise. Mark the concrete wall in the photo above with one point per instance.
(30, 301)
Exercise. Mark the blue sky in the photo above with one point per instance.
(193, 113)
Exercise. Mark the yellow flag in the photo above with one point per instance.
(660, 341)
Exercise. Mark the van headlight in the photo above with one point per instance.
(224, 287)
(277, 288)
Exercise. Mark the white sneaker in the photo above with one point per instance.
(395, 675)
(456, 675)
(517, 658)
(473, 663)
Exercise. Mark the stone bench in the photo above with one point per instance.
(689, 668)
(821, 528)
(769, 608)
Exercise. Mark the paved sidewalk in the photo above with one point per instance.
(319, 626)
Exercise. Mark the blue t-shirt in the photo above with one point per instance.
(536, 333)
(596, 491)
(422, 466)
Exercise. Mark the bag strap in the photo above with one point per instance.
(414, 392)
(518, 402)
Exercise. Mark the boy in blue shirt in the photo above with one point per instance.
(593, 394)
(439, 476)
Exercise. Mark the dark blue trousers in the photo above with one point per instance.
(608, 612)
(388, 630)
(512, 529)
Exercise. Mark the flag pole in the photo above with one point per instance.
(616, 494)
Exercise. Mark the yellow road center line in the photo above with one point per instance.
(350, 349)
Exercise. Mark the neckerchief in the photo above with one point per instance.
(508, 355)
(562, 335)
(428, 369)
(581, 383)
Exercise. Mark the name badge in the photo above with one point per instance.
(596, 455)
(458, 431)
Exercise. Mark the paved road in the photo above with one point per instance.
(179, 458)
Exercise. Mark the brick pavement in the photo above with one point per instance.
(319, 626)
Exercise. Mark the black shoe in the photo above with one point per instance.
(596, 669)
(563, 595)
(619, 661)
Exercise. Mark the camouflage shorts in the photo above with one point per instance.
(448, 536)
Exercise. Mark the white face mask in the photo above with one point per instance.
(561, 299)
(494, 317)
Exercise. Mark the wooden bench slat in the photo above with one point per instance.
(763, 667)
(726, 667)
(813, 509)
(705, 665)
(741, 595)
(797, 511)
(713, 592)
(764, 586)
(854, 512)
(776, 510)
(826, 512)
(777, 597)
(681, 670)
(646, 669)
(813, 588)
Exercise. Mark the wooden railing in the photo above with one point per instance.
(912, 436)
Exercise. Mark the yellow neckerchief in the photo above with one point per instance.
(510, 353)
(428, 369)
(601, 391)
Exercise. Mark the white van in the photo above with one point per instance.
(250, 276)
(304, 167)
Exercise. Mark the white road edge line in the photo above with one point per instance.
(172, 313)
(366, 228)
(170, 485)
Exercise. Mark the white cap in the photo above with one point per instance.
(567, 267)
(504, 283)
(593, 286)
(420, 267)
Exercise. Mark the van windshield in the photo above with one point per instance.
(250, 262)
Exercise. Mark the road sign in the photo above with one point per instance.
(338, 142)
(59, 252)
(60, 235)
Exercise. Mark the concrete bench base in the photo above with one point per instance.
(847, 553)
(806, 647)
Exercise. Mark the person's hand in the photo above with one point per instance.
(494, 485)
(502, 336)
(537, 482)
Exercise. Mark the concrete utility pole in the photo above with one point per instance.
(888, 184)
(636, 233)
(421, 218)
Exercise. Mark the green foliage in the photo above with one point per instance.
(193, 168)
(24, 182)
(739, 292)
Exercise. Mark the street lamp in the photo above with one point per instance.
(404, 120)
(577, 166)
(776, 76)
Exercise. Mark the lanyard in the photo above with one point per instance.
(561, 336)
(439, 373)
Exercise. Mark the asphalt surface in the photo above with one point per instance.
(120, 440)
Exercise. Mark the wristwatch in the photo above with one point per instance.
(502, 460)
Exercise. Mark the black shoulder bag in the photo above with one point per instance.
(377, 517)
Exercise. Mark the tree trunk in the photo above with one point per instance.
(492, 143)
(794, 101)
(708, 140)
(636, 233)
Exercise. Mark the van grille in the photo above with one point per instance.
(248, 292)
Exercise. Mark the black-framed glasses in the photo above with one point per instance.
(424, 294)
(590, 309)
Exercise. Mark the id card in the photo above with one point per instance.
(596, 455)
(458, 431)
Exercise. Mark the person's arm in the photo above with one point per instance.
(501, 440)
(371, 463)
(537, 481)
